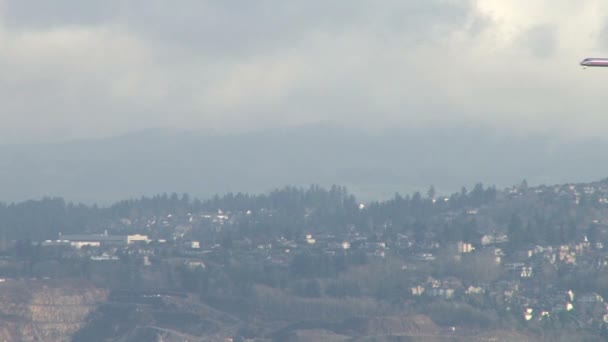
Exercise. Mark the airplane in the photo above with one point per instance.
(594, 62)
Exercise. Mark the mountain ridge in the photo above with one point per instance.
(374, 165)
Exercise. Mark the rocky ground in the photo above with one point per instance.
(47, 310)
(43, 310)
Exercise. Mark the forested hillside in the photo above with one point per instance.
(299, 263)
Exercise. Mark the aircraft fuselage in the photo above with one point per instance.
(595, 62)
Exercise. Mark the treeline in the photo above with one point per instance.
(402, 209)
(45, 219)
(292, 200)
(543, 218)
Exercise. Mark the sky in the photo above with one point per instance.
(76, 69)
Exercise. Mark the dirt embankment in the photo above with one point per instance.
(412, 325)
(45, 310)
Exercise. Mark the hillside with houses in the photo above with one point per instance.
(304, 264)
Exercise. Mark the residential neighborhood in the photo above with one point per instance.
(480, 260)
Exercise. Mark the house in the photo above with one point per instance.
(418, 290)
(137, 238)
(195, 263)
(79, 241)
(442, 292)
(104, 257)
(471, 290)
(526, 272)
(464, 247)
(494, 239)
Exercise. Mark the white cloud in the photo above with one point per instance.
(510, 64)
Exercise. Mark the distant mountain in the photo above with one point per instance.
(370, 165)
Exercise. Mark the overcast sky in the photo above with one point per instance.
(73, 69)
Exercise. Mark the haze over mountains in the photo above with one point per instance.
(370, 165)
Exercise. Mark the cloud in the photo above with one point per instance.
(36, 15)
(540, 40)
(93, 68)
